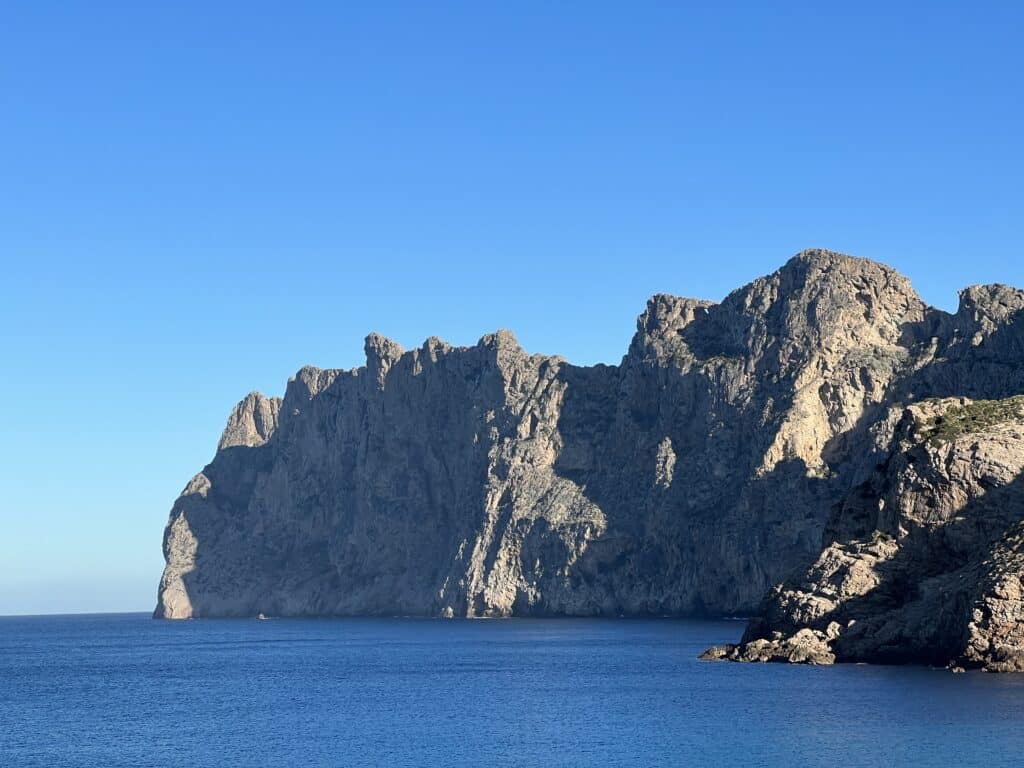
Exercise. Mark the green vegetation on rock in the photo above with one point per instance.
(972, 418)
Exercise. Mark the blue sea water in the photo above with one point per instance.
(124, 690)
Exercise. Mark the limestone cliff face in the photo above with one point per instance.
(486, 481)
(926, 558)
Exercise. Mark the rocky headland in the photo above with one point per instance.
(924, 561)
(821, 436)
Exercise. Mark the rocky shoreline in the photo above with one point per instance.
(927, 558)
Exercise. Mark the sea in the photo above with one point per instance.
(126, 690)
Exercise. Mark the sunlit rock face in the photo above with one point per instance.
(924, 561)
(485, 481)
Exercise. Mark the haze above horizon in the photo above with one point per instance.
(196, 201)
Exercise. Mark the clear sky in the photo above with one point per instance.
(196, 199)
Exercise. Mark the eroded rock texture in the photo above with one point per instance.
(927, 557)
(484, 481)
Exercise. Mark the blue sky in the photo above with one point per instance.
(197, 201)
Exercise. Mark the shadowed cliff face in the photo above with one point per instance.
(485, 481)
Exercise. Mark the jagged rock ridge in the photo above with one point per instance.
(687, 480)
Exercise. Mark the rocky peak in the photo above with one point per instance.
(307, 383)
(814, 310)
(381, 354)
(659, 327)
(666, 313)
(503, 348)
(434, 346)
(985, 327)
(983, 308)
(820, 294)
(824, 260)
(501, 339)
(994, 300)
(252, 422)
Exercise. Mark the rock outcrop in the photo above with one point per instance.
(485, 481)
(926, 560)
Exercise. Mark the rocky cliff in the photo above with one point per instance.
(926, 559)
(484, 481)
